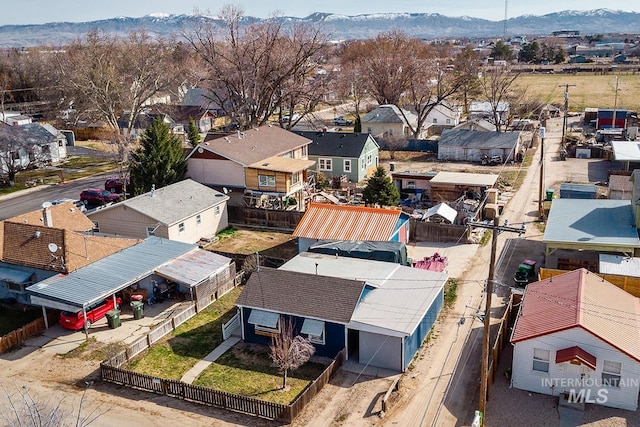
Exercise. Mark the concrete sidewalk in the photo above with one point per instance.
(193, 373)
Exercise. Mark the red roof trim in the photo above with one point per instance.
(576, 353)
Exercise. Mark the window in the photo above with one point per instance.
(265, 321)
(60, 144)
(435, 120)
(295, 178)
(369, 159)
(199, 219)
(96, 227)
(325, 164)
(216, 210)
(347, 165)
(611, 373)
(267, 180)
(368, 130)
(448, 121)
(305, 151)
(362, 165)
(314, 329)
(541, 360)
(151, 231)
(181, 228)
(411, 184)
(390, 132)
(15, 287)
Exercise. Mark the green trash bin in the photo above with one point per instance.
(138, 309)
(113, 318)
(550, 195)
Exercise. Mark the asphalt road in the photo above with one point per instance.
(32, 198)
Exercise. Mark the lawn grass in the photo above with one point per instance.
(247, 371)
(190, 342)
(12, 318)
(450, 293)
(590, 90)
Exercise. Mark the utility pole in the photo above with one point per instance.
(541, 132)
(496, 229)
(566, 108)
(615, 106)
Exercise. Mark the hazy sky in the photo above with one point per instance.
(21, 12)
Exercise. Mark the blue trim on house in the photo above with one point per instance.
(413, 342)
(334, 334)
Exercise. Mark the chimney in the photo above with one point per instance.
(47, 220)
(153, 190)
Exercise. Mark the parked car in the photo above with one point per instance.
(78, 203)
(342, 121)
(97, 196)
(95, 312)
(493, 160)
(115, 185)
(286, 118)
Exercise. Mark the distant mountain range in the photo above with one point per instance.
(340, 27)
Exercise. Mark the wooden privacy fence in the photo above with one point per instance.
(220, 399)
(18, 336)
(627, 283)
(270, 218)
(421, 231)
(498, 344)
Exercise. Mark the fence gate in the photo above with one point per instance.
(231, 327)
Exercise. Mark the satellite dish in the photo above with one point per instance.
(47, 204)
(224, 189)
(200, 150)
(52, 247)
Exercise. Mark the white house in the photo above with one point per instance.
(388, 122)
(485, 110)
(576, 333)
(32, 143)
(185, 211)
(444, 114)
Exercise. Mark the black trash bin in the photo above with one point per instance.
(138, 309)
(113, 318)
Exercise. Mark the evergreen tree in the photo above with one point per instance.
(357, 124)
(193, 134)
(380, 189)
(160, 159)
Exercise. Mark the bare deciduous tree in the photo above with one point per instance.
(24, 408)
(257, 70)
(497, 86)
(289, 352)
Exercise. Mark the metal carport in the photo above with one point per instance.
(103, 278)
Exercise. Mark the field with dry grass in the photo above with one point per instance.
(590, 90)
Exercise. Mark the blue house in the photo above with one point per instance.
(353, 155)
(381, 321)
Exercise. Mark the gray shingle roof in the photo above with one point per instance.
(336, 144)
(29, 134)
(174, 202)
(308, 295)
(388, 114)
(252, 145)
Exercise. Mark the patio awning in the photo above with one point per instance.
(264, 318)
(575, 353)
(312, 327)
(192, 268)
(14, 276)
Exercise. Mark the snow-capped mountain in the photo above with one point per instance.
(425, 25)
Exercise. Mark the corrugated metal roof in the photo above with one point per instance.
(401, 297)
(580, 299)
(307, 295)
(331, 222)
(193, 267)
(108, 275)
(620, 265)
(626, 151)
(591, 222)
(173, 203)
(463, 178)
(478, 139)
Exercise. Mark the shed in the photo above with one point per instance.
(578, 191)
(471, 145)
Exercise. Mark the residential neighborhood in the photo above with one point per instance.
(209, 239)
